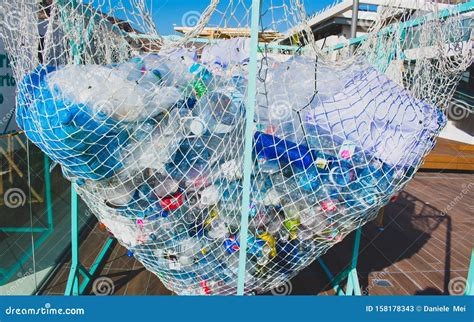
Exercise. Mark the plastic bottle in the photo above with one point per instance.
(187, 250)
(261, 184)
(201, 84)
(103, 90)
(215, 113)
(276, 221)
(292, 220)
(262, 247)
(217, 229)
(380, 175)
(272, 198)
(172, 202)
(210, 196)
(312, 178)
(312, 221)
(341, 173)
(267, 166)
(215, 226)
(152, 145)
(142, 204)
(274, 148)
(133, 70)
(190, 213)
(114, 192)
(268, 251)
(163, 229)
(318, 138)
(230, 203)
(289, 190)
(173, 66)
(240, 83)
(165, 186)
(287, 255)
(362, 198)
(191, 159)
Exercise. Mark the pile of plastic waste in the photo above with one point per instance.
(155, 147)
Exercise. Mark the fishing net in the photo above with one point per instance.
(151, 129)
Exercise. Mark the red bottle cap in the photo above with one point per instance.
(172, 202)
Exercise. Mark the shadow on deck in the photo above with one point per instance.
(426, 242)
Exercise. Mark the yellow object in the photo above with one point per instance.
(292, 226)
(212, 216)
(271, 242)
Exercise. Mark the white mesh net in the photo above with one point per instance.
(151, 128)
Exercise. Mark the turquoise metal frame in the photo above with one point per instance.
(443, 14)
(470, 277)
(249, 127)
(73, 287)
(353, 285)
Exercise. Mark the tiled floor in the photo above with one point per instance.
(421, 250)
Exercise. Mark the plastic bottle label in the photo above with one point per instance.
(347, 150)
(322, 163)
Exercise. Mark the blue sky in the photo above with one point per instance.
(169, 12)
(166, 13)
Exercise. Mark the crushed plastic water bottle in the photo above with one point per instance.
(155, 145)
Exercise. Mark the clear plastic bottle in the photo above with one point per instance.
(165, 186)
(217, 229)
(380, 175)
(341, 173)
(191, 159)
(215, 113)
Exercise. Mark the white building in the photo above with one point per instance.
(332, 26)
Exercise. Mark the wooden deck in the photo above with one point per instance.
(426, 242)
(450, 155)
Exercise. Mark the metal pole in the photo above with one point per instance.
(470, 277)
(72, 286)
(74, 237)
(248, 162)
(353, 286)
(47, 182)
(355, 18)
